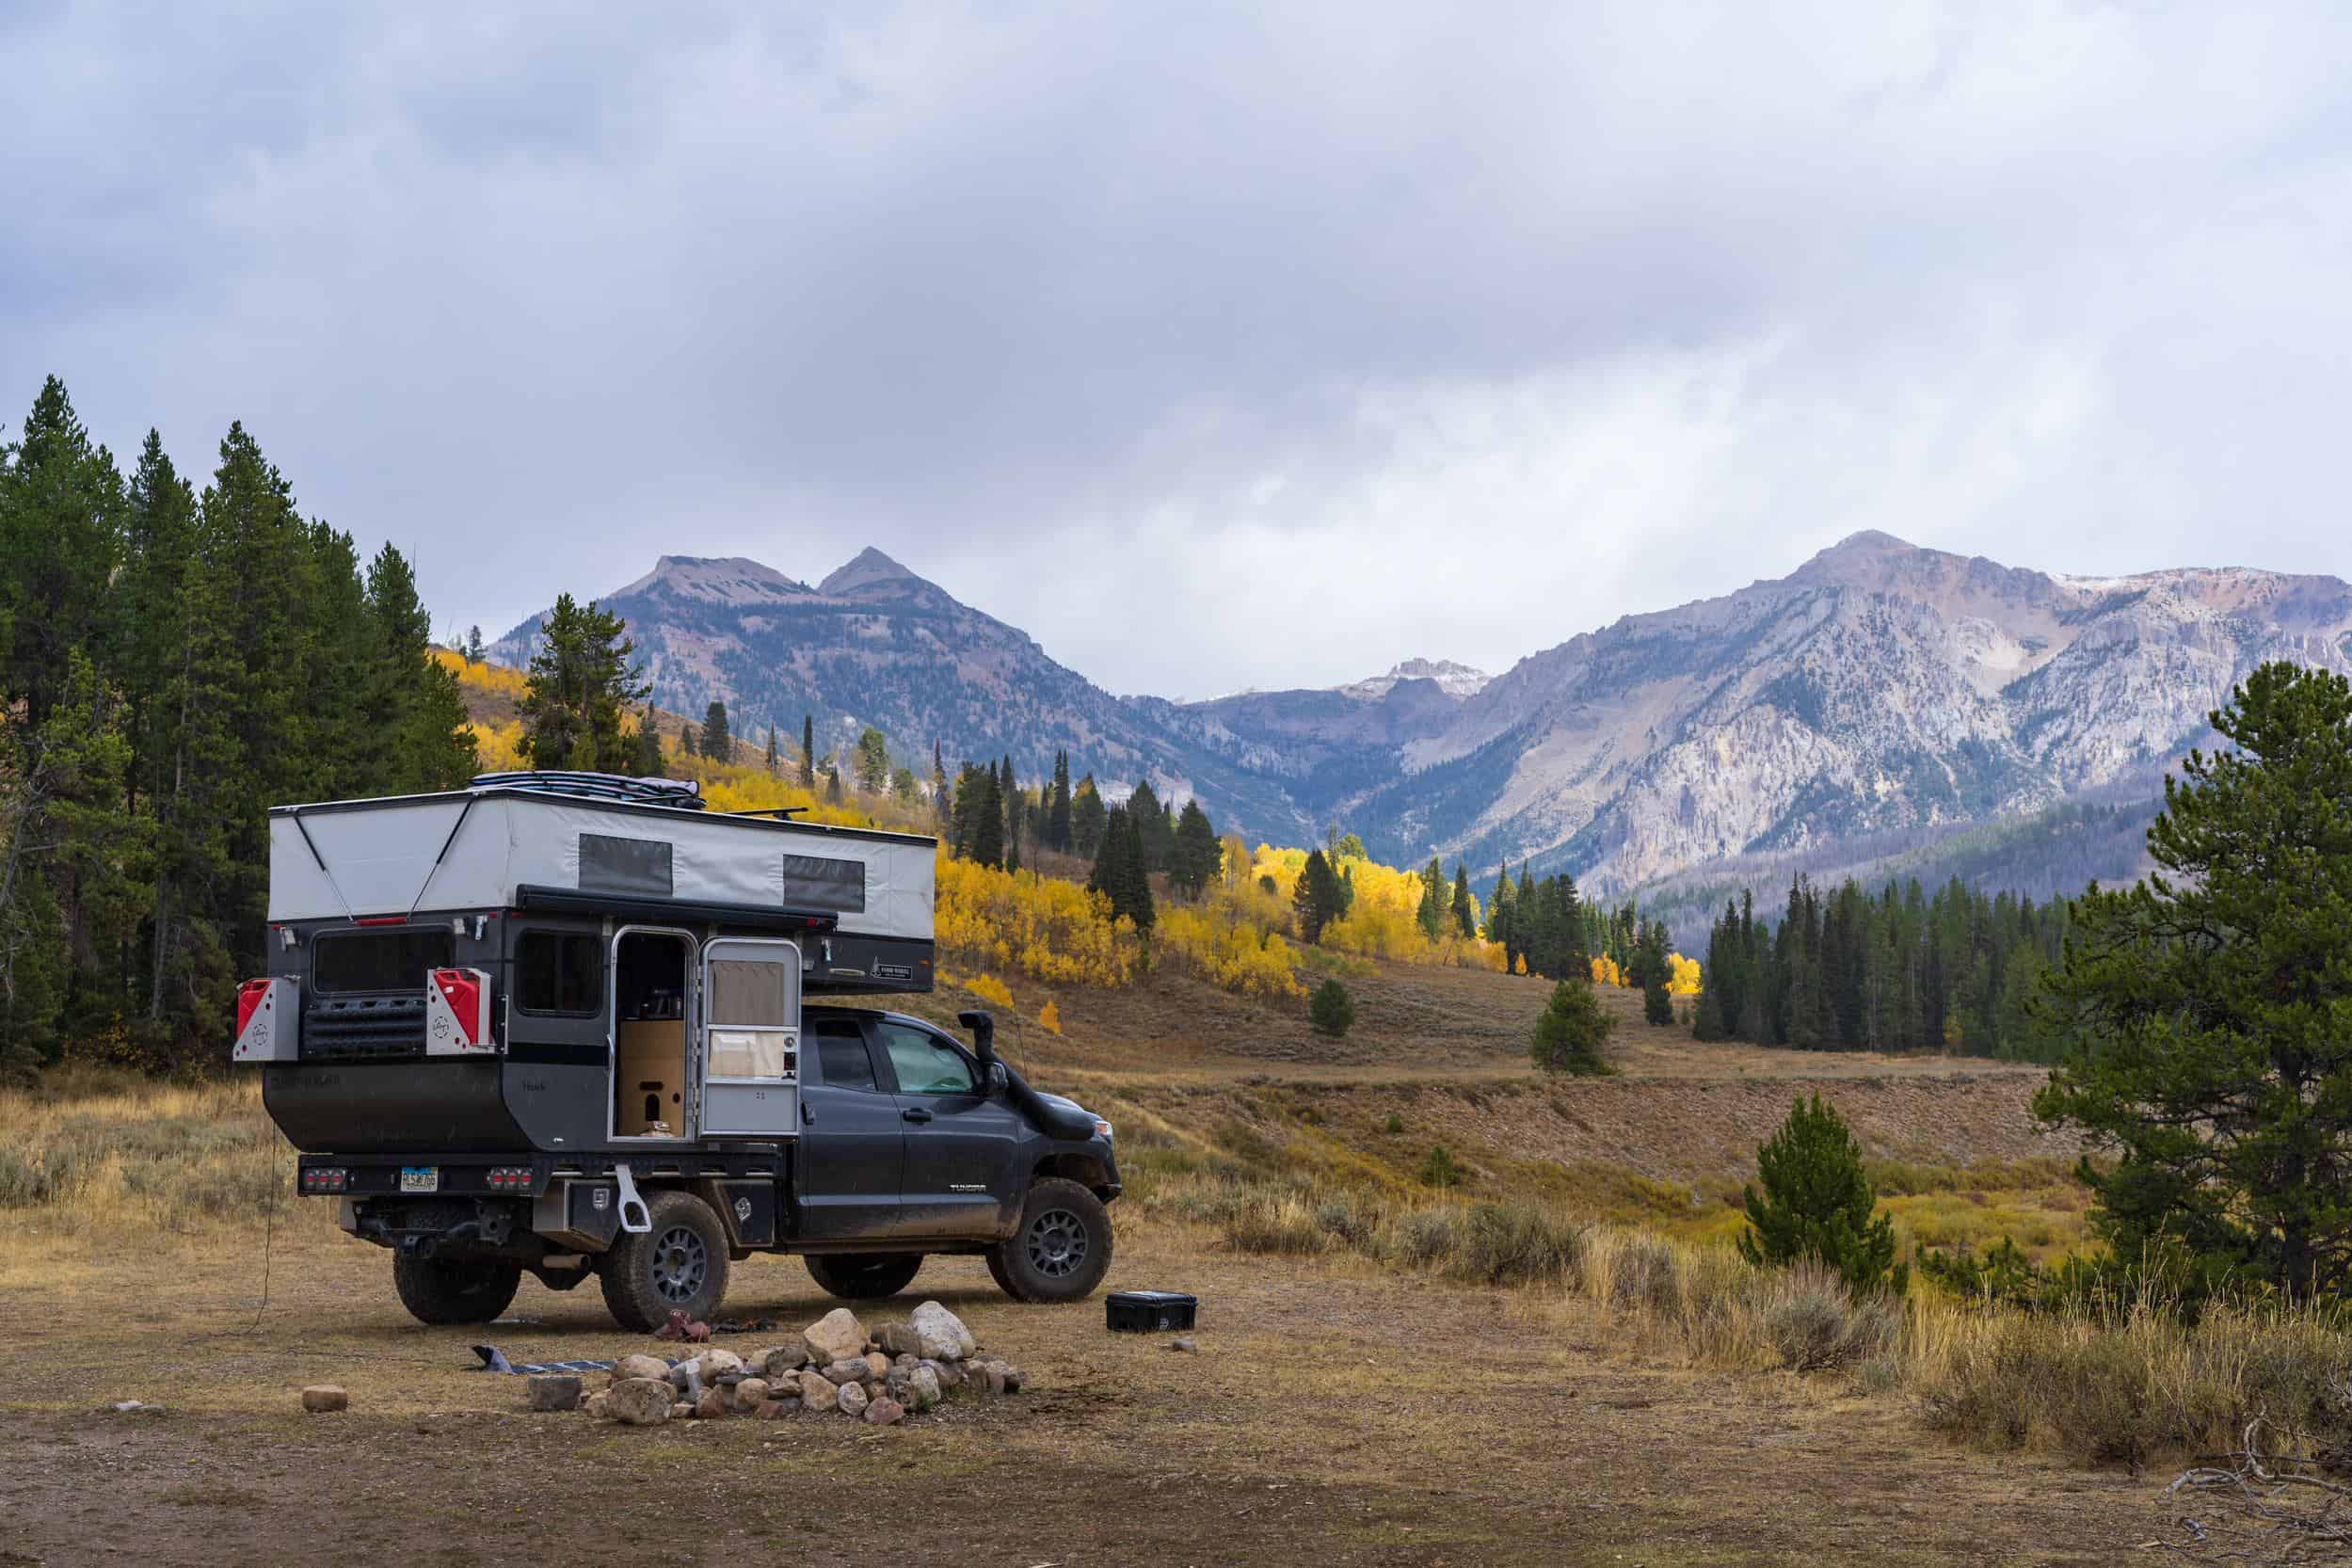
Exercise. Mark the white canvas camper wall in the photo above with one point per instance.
(473, 850)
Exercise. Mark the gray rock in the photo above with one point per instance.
(595, 1405)
(640, 1367)
(852, 1398)
(940, 1334)
(686, 1377)
(992, 1376)
(639, 1401)
(835, 1336)
(898, 1337)
(555, 1391)
(710, 1406)
(816, 1395)
(322, 1397)
(850, 1369)
(950, 1373)
(1186, 1345)
(783, 1361)
(751, 1393)
(681, 1411)
(717, 1364)
(884, 1412)
(1014, 1378)
(876, 1364)
(922, 1388)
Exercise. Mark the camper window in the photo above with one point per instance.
(560, 971)
(349, 961)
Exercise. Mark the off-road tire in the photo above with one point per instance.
(443, 1291)
(677, 1264)
(867, 1278)
(1062, 1249)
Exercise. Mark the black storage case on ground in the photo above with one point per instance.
(1148, 1311)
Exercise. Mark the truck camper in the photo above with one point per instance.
(574, 1024)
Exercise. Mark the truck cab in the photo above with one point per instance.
(575, 1025)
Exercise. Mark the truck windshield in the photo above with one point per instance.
(379, 960)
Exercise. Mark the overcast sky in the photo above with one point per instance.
(1215, 345)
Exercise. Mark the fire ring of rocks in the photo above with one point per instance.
(902, 1368)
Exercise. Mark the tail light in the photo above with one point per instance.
(325, 1179)
(512, 1178)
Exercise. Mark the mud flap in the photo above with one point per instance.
(634, 1218)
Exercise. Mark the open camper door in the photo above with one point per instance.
(751, 1038)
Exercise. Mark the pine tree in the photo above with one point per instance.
(689, 741)
(650, 763)
(772, 760)
(1501, 919)
(1657, 1006)
(579, 679)
(1119, 873)
(1011, 791)
(1816, 1203)
(2205, 1007)
(942, 798)
(832, 783)
(986, 843)
(1058, 809)
(1572, 1030)
(1152, 823)
(807, 752)
(1087, 818)
(1435, 894)
(1331, 1010)
(1199, 856)
(474, 652)
(1316, 901)
(1464, 911)
(873, 760)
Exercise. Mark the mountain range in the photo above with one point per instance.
(1880, 693)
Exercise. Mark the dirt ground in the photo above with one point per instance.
(1332, 1414)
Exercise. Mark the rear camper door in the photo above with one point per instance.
(751, 1038)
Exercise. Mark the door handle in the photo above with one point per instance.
(808, 1114)
(916, 1113)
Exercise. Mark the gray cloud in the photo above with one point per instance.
(1216, 346)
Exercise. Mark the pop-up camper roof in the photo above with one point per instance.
(505, 844)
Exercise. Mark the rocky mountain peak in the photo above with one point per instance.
(735, 580)
(1454, 679)
(869, 567)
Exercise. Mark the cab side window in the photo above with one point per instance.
(925, 1065)
(841, 1058)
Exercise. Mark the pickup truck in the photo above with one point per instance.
(556, 1029)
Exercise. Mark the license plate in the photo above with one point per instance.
(420, 1178)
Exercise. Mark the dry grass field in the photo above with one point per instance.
(1554, 1360)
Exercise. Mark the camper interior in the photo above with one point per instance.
(652, 982)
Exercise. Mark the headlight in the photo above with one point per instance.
(1102, 1128)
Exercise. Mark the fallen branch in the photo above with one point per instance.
(2267, 1509)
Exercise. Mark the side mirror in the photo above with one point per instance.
(998, 1081)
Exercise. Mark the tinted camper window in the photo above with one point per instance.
(813, 882)
(379, 960)
(559, 971)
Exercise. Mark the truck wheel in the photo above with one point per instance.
(677, 1264)
(1063, 1248)
(449, 1290)
(868, 1278)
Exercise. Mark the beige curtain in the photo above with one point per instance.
(746, 992)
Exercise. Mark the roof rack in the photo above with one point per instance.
(682, 793)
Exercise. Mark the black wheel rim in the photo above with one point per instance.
(1056, 1243)
(680, 1263)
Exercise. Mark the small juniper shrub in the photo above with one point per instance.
(1331, 1010)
